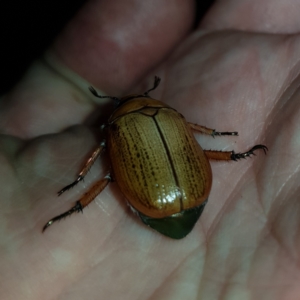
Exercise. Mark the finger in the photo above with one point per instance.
(254, 15)
(121, 40)
(110, 44)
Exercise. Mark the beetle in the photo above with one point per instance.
(157, 163)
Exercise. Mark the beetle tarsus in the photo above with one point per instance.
(217, 133)
(76, 208)
(156, 84)
(70, 185)
(236, 156)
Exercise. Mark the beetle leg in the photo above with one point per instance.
(209, 131)
(156, 84)
(85, 200)
(86, 168)
(231, 155)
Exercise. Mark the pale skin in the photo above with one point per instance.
(245, 79)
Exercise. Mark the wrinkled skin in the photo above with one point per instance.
(238, 71)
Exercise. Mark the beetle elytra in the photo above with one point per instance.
(157, 163)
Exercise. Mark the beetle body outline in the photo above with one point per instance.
(157, 163)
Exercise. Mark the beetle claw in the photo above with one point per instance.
(77, 208)
(236, 156)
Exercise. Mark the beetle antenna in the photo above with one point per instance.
(156, 84)
(94, 92)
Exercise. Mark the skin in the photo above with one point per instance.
(238, 71)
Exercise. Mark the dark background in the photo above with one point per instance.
(27, 28)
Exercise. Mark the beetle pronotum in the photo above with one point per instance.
(156, 162)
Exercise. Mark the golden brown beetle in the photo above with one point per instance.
(157, 163)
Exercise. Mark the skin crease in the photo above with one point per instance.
(244, 78)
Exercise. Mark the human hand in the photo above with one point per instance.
(246, 239)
